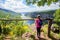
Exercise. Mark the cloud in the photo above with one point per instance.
(12, 5)
(41, 8)
(20, 6)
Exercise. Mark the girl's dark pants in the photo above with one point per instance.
(38, 31)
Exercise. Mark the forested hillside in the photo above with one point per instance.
(44, 14)
(7, 13)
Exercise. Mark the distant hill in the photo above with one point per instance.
(4, 13)
(44, 14)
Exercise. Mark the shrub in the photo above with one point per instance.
(45, 28)
(55, 28)
(6, 30)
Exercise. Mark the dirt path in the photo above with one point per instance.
(42, 37)
(27, 36)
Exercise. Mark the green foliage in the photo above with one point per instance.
(45, 28)
(16, 28)
(6, 30)
(1, 37)
(11, 28)
(30, 1)
(54, 35)
(40, 2)
(55, 25)
(57, 16)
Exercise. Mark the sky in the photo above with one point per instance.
(20, 6)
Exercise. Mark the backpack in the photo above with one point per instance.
(40, 23)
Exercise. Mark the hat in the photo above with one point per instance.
(38, 16)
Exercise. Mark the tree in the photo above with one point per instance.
(41, 2)
(57, 16)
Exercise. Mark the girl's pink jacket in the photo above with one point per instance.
(37, 23)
